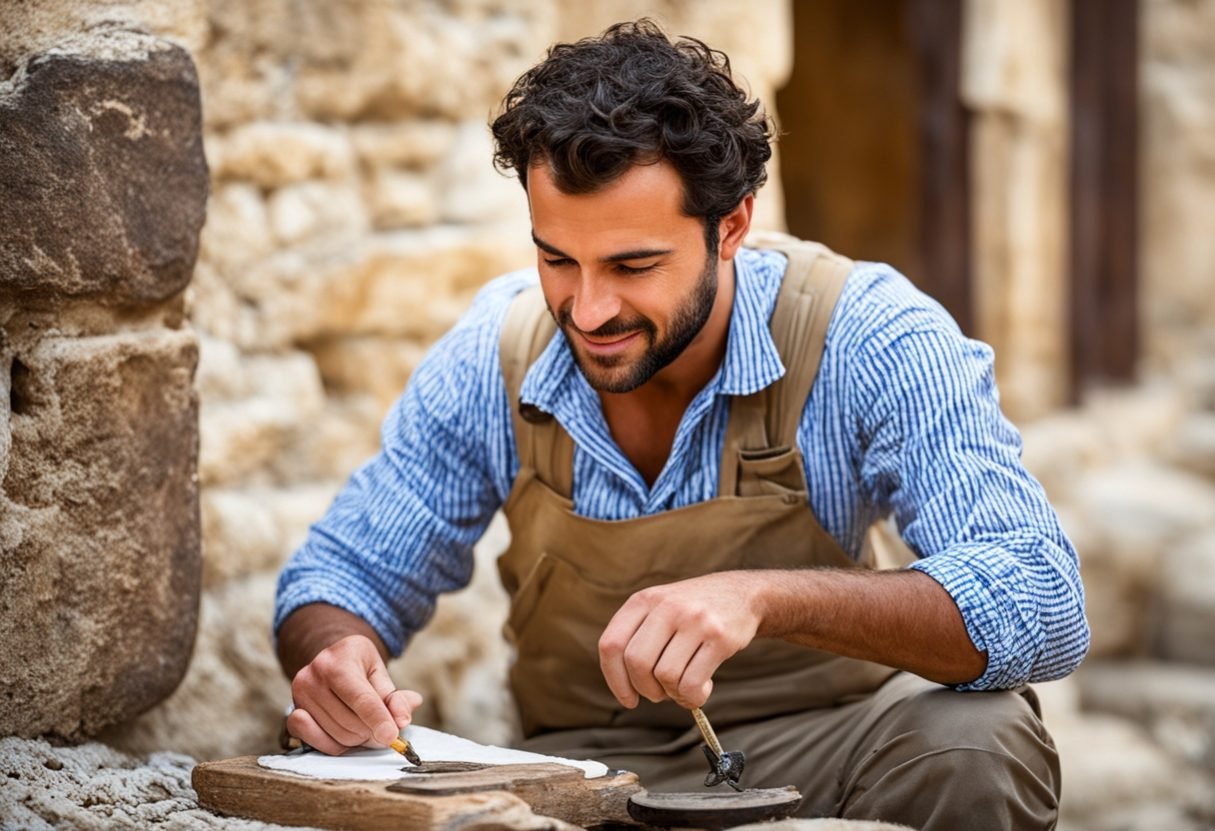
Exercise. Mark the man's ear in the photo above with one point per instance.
(734, 227)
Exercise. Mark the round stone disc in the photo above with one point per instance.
(712, 809)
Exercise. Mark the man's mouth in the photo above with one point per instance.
(609, 345)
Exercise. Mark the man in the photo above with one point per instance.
(688, 467)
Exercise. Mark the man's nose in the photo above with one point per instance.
(595, 303)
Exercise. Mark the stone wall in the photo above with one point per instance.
(102, 192)
(1177, 184)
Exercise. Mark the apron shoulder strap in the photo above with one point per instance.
(542, 443)
(813, 283)
(767, 421)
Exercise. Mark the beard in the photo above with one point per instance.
(614, 373)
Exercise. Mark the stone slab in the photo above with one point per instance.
(103, 182)
(99, 531)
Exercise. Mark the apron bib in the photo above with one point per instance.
(567, 575)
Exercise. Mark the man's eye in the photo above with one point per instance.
(560, 261)
(628, 269)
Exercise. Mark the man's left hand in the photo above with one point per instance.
(667, 641)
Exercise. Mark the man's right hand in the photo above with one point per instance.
(345, 699)
(343, 695)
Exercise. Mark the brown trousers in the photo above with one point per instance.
(913, 753)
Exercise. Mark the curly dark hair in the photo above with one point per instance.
(595, 108)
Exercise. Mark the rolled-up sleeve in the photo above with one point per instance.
(937, 452)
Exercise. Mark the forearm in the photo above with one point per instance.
(315, 627)
(903, 619)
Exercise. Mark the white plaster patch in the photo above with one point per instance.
(431, 745)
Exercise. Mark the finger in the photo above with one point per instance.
(697, 682)
(335, 718)
(304, 727)
(673, 663)
(380, 680)
(642, 654)
(366, 706)
(402, 703)
(612, 644)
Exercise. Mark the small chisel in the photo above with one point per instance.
(403, 747)
(724, 766)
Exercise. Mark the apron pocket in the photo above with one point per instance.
(527, 598)
(775, 471)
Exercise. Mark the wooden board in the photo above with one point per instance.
(489, 798)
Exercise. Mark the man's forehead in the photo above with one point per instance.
(642, 209)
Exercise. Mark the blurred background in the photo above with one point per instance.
(1045, 168)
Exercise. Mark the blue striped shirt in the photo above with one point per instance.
(903, 418)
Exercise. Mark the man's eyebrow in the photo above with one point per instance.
(637, 254)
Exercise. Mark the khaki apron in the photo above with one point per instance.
(567, 575)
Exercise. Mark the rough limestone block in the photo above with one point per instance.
(1174, 702)
(398, 199)
(379, 366)
(323, 211)
(278, 396)
(102, 177)
(1177, 175)
(1185, 613)
(99, 531)
(345, 434)
(1194, 444)
(361, 289)
(273, 154)
(472, 189)
(238, 228)
(1126, 520)
(413, 144)
(1111, 766)
(256, 529)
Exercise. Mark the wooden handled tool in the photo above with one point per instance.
(403, 747)
(724, 766)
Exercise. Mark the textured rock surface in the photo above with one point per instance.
(1177, 94)
(102, 194)
(1184, 613)
(102, 175)
(1174, 702)
(99, 531)
(95, 787)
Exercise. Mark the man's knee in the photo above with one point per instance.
(941, 756)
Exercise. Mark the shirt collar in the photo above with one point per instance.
(752, 361)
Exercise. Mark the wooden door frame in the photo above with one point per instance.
(1105, 332)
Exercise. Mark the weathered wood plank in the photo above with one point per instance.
(486, 798)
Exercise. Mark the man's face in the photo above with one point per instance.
(625, 272)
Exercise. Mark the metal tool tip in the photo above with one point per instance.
(406, 749)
